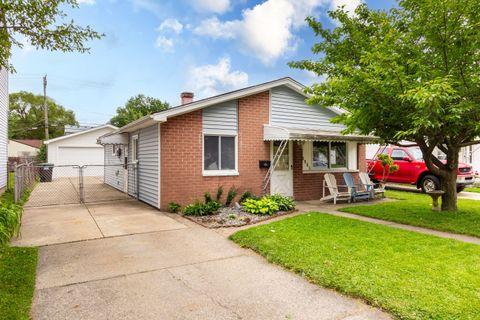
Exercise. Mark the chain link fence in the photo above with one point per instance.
(71, 184)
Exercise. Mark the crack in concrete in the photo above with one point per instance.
(140, 272)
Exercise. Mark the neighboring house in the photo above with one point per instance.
(3, 128)
(23, 148)
(78, 148)
(230, 140)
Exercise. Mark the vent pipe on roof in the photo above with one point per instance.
(186, 97)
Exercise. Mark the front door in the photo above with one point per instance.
(282, 177)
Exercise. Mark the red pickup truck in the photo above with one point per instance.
(413, 170)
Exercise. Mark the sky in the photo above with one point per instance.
(161, 48)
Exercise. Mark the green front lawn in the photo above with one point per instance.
(17, 281)
(411, 275)
(415, 209)
(477, 190)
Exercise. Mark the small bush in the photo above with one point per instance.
(284, 203)
(10, 219)
(200, 209)
(208, 197)
(219, 194)
(173, 207)
(261, 206)
(232, 193)
(246, 195)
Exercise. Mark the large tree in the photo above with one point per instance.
(411, 73)
(26, 117)
(42, 24)
(137, 107)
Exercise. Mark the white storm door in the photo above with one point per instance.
(282, 177)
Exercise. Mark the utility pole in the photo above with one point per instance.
(45, 107)
(45, 111)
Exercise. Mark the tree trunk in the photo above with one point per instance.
(449, 185)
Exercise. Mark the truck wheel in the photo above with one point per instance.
(430, 183)
(460, 188)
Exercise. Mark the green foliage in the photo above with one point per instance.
(26, 117)
(137, 107)
(245, 195)
(388, 165)
(43, 25)
(416, 209)
(201, 209)
(42, 153)
(218, 197)
(10, 215)
(174, 207)
(232, 193)
(17, 281)
(264, 206)
(284, 203)
(411, 275)
(410, 73)
(208, 197)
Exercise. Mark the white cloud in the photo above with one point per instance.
(213, 6)
(164, 43)
(90, 2)
(171, 25)
(216, 29)
(350, 5)
(267, 29)
(147, 5)
(211, 79)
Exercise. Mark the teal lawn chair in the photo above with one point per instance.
(358, 192)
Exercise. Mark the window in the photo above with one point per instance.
(114, 150)
(134, 148)
(398, 154)
(219, 153)
(329, 155)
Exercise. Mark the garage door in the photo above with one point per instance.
(79, 157)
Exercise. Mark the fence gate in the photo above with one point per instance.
(70, 184)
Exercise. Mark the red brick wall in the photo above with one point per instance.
(309, 186)
(362, 157)
(181, 154)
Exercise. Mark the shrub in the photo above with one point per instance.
(208, 197)
(261, 206)
(284, 203)
(245, 195)
(173, 207)
(200, 209)
(10, 218)
(219, 194)
(232, 193)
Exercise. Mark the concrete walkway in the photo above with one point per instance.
(125, 260)
(319, 206)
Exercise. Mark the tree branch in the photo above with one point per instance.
(470, 143)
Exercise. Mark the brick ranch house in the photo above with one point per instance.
(231, 140)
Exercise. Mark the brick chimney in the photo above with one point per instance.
(186, 97)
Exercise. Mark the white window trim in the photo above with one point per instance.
(330, 169)
(219, 173)
(134, 148)
(114, 151)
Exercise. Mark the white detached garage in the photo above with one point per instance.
(79, 148)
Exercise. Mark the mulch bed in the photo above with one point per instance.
(233, 217)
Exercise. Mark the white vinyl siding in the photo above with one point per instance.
(221, 118)
(148, 165)
(3, 127)
(114, 171)
(289, 109)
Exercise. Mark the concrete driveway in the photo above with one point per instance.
(126, 260)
